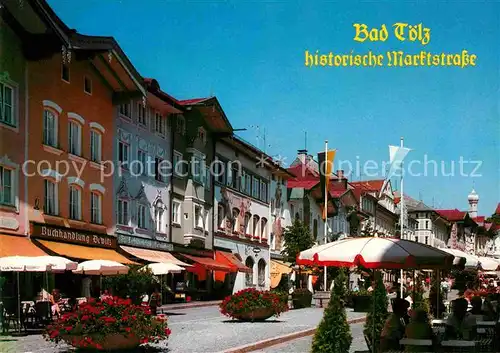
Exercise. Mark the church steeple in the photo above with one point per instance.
(473, 199)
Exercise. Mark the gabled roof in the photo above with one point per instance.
(369, 185)
(304, 184)
(212, 111)
(452, 215)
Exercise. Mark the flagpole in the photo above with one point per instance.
(401, 222)
(325, 209)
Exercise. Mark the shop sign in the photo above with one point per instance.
(144, 243)
(71, 235)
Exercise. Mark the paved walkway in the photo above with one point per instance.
(194, 330)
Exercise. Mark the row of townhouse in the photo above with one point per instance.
(98, 162)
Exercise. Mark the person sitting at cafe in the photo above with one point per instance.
(460, 325)
(54, 299)
(394, 328)
(419, 328)
(155, 301)
(106, 294)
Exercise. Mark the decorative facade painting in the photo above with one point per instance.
(230, 202)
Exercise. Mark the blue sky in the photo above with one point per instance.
(251, 56)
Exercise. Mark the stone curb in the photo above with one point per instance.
(281, 339)
(166, 308)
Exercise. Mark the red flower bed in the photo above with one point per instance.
(92, 323)
(250, 303)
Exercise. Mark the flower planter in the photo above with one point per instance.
(259, 314)
(361, 303)
(111, 342)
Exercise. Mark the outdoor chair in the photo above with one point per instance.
(43, 313)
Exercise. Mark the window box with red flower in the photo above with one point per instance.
(249, 236)
(111, 325)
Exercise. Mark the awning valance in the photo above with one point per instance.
(232, 261)
(153, 255)
(11, 245)
(85, 252)
(277, 270)
(208, 263)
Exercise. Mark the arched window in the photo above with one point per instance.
(261, 271)
(249, 276)
(50, 135)
(263, 228)
(220, 216)
(255, 230)
(236, 214)
(248, 217)
(75, 202)
(159, 208)
(315, 229)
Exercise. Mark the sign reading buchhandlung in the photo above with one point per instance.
(70, 235)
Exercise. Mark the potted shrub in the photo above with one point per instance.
(361, 301)
(110, 325)
(282, 295)
(301, 298)
(253, 305)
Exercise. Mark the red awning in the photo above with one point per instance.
(208, 263)
(232, 261)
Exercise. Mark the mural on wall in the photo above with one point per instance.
(230, 201)
(277, 228)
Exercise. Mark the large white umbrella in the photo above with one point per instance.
(489, 264)
(101, 267)
(375, 252)
(470, 260)
(161, 268)
(22, 264)
(57, 263)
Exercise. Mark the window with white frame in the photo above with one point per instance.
(95, 146)
(95, 208)
(74, 138)
(196, 169)
(141, 113)
(249, 275)
(176, 212)
(49, 128)
(263, 228)
(7, 104)
(219, 171)
(208, 179)
(255, 187)
(6, 186)
(248, 184)
(123, 153)
(75, 202)
(50, 199)
(141, 216)
(142, 159)
(263, 191)
(177, 165)
(261, 272)
(198, 216)
(123, 212)
(159, 219)
(125, 110)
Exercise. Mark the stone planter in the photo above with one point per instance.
(260, 314)
(361, 303)
(111, 342)
(321, 299)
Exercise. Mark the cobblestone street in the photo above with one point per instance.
(201, 330)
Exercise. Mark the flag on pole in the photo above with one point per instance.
(396, 156)
(325, 168)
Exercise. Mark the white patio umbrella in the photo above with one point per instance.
(161, 268)
(101, 268)
(489, 264)
(57, 263)
(375, 252)
(470, 260)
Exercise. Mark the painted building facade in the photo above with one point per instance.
(243, 215)
(142, 156)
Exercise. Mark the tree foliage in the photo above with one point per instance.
(334, 333)
(376, 317)
(297, 238)
(132, 285)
